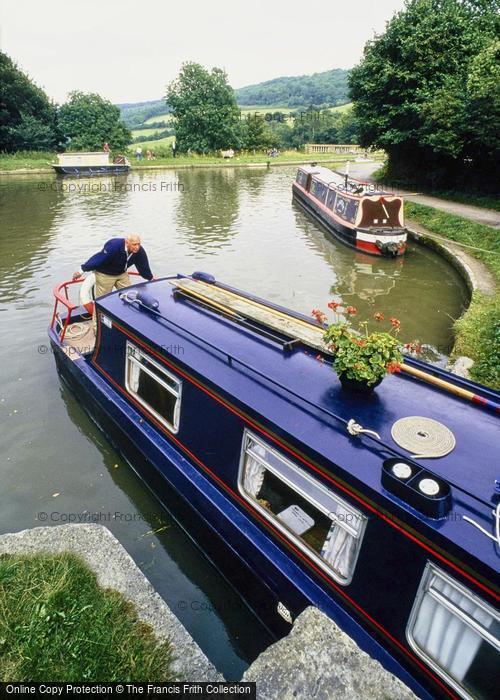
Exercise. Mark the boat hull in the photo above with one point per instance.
(259, 570)
(365, 241)
(90, 170)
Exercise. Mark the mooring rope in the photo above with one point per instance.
(425, 436)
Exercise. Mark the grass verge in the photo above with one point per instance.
(478, 330)
(27, 160)
(163, 150)
(57, 624)
(165, 158)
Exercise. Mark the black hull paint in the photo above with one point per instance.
(92, 170)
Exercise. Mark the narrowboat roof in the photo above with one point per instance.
(301, 397)
(332, 177)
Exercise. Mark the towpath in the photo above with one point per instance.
(489, 217)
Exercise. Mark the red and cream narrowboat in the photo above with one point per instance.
(357, 213)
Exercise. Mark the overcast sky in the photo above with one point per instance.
(128, 50)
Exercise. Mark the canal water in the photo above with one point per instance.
(238, 224)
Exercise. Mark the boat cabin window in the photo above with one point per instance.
(323, 525)
(330, 200)
(457, 633)
(301, 178)
(318, 189)
(153, 386)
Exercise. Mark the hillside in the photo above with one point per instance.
(135, 113)
(328, 88)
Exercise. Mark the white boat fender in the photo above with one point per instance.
(87, 293)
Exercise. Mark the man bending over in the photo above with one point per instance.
(112, 262)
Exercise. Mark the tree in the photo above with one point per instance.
(483, 86)
(87, 121)
(347, 127)
(206, 116)
(27, 116)
(256, 133)
(414, 90)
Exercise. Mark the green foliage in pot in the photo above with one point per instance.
(361, 355)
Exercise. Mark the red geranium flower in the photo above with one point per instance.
(414, 346)
(319, 315)
(351, 310)
(334, 305)
(378, 316)
(393, 367)
(395, 323)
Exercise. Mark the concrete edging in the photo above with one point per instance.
(318, 660)
(116, 569)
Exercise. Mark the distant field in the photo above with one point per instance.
(263, 109)
(159, 118)
(144, 132)
(152, 145)
(342, 108)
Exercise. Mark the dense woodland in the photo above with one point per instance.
(428, 92)
(325, 89)
(29, 121)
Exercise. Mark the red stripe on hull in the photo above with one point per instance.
(368, 247)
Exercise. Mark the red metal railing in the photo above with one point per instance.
(61, 296)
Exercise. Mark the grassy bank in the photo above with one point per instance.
(42, 161)
(56, 624)
(241, 159)
(27, 160)
(478, 330)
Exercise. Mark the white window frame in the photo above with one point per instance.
(132, 354)
(424, 589)
(304, 477)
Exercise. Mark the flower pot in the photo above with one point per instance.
(357, 386)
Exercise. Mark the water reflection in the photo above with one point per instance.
(27, 212)
(420, 289)
(208, 207)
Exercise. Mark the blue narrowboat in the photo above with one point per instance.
(302, 493)
(360, 214)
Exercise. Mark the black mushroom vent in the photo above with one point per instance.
(417, 487)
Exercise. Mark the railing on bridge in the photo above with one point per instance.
(334, 148)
